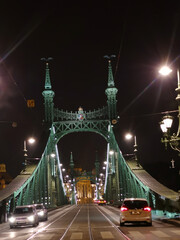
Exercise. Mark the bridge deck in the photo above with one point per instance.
(152, 183)
(17, 182)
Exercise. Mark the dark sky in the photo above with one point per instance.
(77, 34)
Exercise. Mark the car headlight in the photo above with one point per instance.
(41, 213)
(31, 218)
(12, 219)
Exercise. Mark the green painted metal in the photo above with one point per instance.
(45, 184)
(111, 93)
(48, 95)
(97, 175)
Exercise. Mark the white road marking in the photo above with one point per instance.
(106, 235)
(176, 231)
(137, 235)
(160, 234)
(77, 236)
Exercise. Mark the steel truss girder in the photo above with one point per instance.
(127, 184)
(65, 127)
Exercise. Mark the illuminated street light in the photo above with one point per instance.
(165, 70)
(53, 155)
(129, 136)
(111, 152)
(166, 123)
(31, 140)
(163, 127)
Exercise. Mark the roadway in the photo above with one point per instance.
(89, 222)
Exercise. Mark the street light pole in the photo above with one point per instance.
(166, 123)
(129, 136)
(136, 151)
(25, 153)
(31, 141)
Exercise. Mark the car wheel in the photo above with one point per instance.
(11, 226)
(121, 224)
(149, 224)
(36, 224)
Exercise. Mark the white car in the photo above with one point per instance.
(42, 212)
(24, 215)
(134, 210)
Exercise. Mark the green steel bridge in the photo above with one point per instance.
(43, 182)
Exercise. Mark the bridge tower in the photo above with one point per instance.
(43, 183)
(111, 93)
(48, 95)
(71, 167)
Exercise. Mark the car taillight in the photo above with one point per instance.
(124, 209)
(104, 201)
(147, 209)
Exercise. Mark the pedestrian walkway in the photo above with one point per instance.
(172, 218)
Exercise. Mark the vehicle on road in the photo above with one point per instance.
(42, 212)
(101, 202)
(24, 215)
(135, 210)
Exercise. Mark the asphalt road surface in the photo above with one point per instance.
(89, 222)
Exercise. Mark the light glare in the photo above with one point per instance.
(165, 71)
(128, 136)
(31, 140)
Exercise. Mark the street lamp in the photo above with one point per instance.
(30, 141)
(129, 136)
(166, 123)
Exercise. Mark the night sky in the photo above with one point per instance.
(77, 34)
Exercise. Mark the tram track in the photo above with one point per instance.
(91, 237)
(86, 221)
(89, 227)
(41, 229)
(108, 219)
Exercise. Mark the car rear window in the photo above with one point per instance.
(23, 210)
(39, 207)
(135, 204)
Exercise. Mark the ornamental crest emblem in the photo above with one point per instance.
(81, 115)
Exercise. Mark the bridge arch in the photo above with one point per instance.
(100, 127)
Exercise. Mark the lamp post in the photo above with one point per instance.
(166, 123)
(129, 136)
(31, 141)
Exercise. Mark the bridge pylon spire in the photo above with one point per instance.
(48, 94)
(111, 92)
(71, 166)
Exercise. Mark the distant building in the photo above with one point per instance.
(5, 178)
(85, 189)
(87, 184)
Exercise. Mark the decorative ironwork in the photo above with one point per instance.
(66, 127)
(45, 183)
(60, 115)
